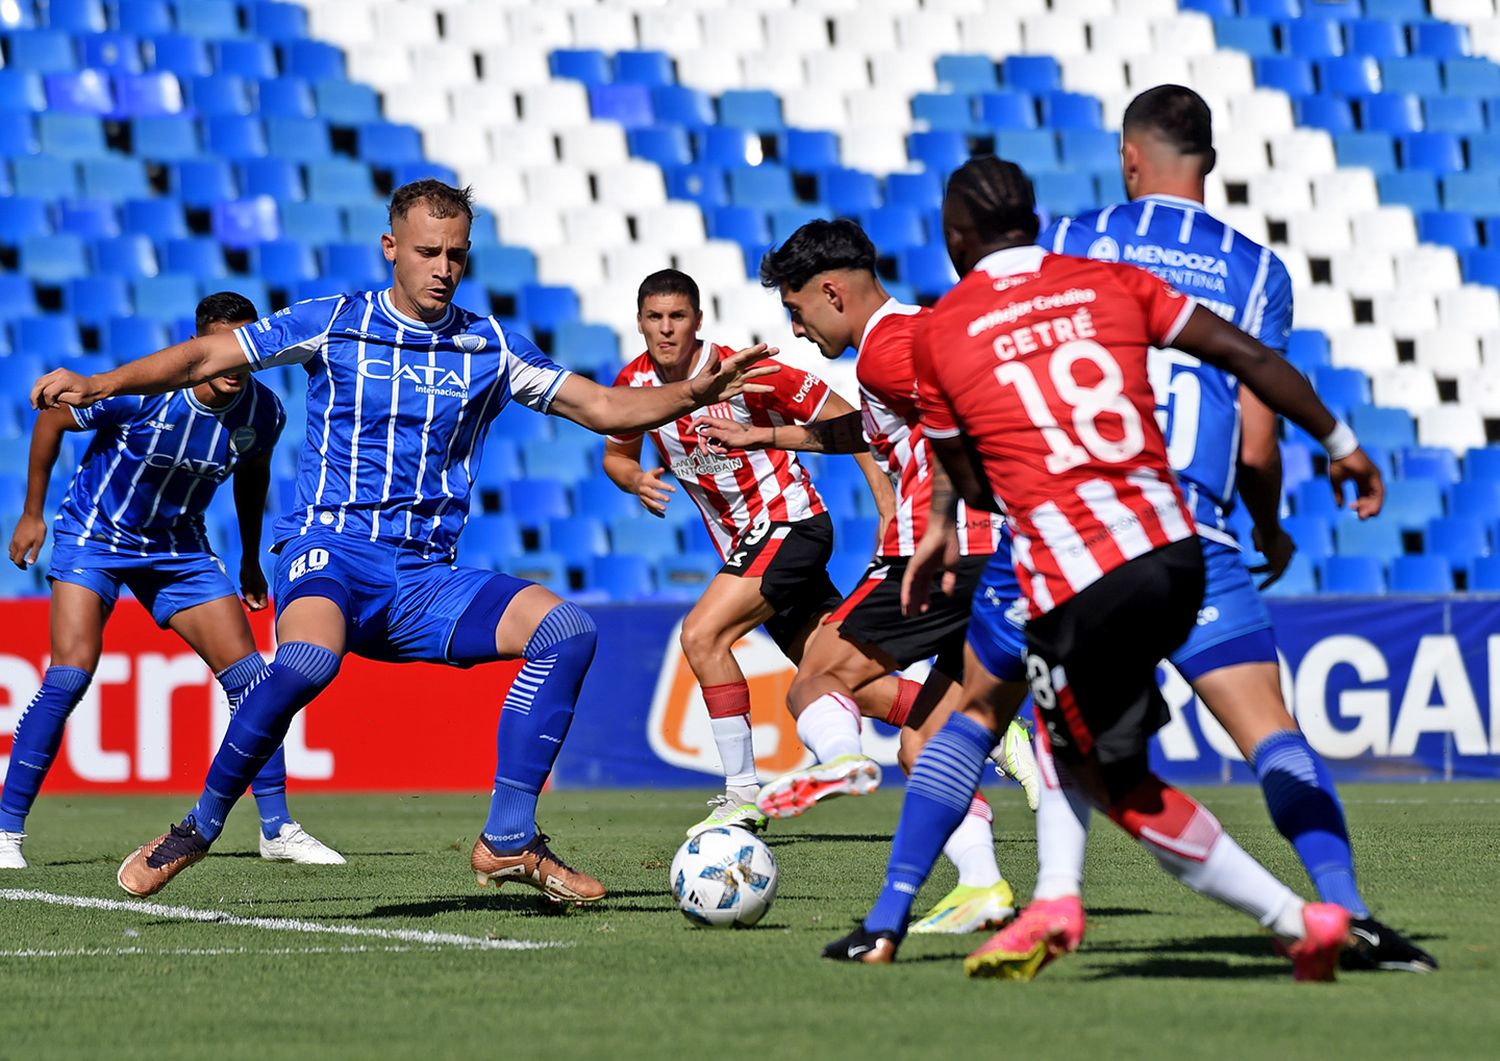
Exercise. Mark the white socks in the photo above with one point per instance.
(732, 738)
(830, 727)
(1235, 879)
(971, 847)
(1062, 834)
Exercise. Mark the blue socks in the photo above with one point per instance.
(938, 795)
(269, 785)
(37, 739)
(537, 713)
(1306, 810)
(298, 673)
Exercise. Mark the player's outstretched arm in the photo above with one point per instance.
(625, 410)
(46, 443)
(1210, 338)
(252, 482)
(622, 463)
(838, 434)
(957, 474)
(186, 364)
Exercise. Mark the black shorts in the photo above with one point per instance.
(1091, 661)
(872, 615)
(791, 561)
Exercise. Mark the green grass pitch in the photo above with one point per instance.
(1162, 973)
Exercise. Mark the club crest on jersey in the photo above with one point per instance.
(242, 439)
(470, 343)
(1104, 249)
(438, 380)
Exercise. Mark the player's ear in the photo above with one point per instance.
(833, 293)
(388, 246)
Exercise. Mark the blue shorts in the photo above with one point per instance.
(165, 584)
(1232, 626)
(997, 620)
(400, 607)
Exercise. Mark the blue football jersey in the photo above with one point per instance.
(154, 463)
(1197, 405)
(397, 413)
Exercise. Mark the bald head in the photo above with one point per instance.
(989, 204)
(1167, 143)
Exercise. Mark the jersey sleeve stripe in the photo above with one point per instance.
(818, 409)
(247, 348)
(944, 432)
(1188, 305)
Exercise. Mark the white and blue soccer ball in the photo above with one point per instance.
(724, 877)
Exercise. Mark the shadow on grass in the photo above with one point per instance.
(1168, 968)
(801, 838)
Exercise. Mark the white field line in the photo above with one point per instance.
(271, 924)
(167, 952)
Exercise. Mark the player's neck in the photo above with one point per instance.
(210, 398)
(1183, 188)
(863, 305)
(404, 306)
(683, 368)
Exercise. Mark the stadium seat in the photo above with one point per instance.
(684, 577)
(1377, 538)
(577, 539)
(1457, 538)
(1484, 574)
(1361, 575)
(624, 577)
(645, 538)
(1421, 574)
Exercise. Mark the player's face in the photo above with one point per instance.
(958, 234)
(670, 325)
(429, 255)
(227, 386)
(817, 315)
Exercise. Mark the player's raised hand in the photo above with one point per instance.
(721, 434)
(26, 542)
(1368, 485)
(253, 585)
(653, 492)
(1278, 548)
(724, 378)
(61, 387)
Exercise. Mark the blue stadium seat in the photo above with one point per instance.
(1296, 465)
(144, 17)
(23, 217)
(1482, 266)
(708, 186)
(622, 576)
(922, 191)
(1313, 535)
(1416, 74)
(128, 337)
(80, 92)
(195, 256)
(54, 335)
(95, 299)
(203, 182)
(1253, 36)
(927, 269)
(1476, 499)
(53, 259)
(767, 186)
(597, 496)
(807, 150)
(1330, 113)
(628, 104)
(546, 569)
(746, 225)
(503, 268)
(242, 223)
(1484, 575)
(208, 18)
(77, 16)
(1307, 349)
(723, 146)
(346, 102)
(1064, 194)
(1390, 112)
(167, 297)
(1484, 151)
(1454, 114)
(72, 136)
(157, 219)
(312, 60)
(17, 297)
(285, 97)
(646, 537)
(1386, 428)
(683, 106)
(1290, 74)
(359, 261)
(1377, 37)
(1312, 38)
(42, 176)
(1448, 227)
(754, 109)
(90, 218)
(591, 348)
(1363, 575)
(131, 256)
(1349, 75)
(1457, 538)
(789, 219)
(1370, 150)
(1034, 150)
(1211, 8)
(684, 577)
(648, 68)
(277, 21)
(940, 150)
(1437, 464)
(1007, 110)
(21, 90)
(299, 139)
(220, 95)
(1441, 40)
(1271, 8)
(577, 539)
(165, 138)
(1411, 503)
(114, 53)
(849, 191)
(236, 137)
(588, 65)
(179, 54)
(1374, 537)
(147, 95)
(1090, 149)
(942, 110)
(1414, 189)
(568, 457)
(666, 145)
(44, 50)
(281, 262)
(1471, 77)
(532, 502)
(966, 73)
(339, 182)
(894, 228)
(545, 307)
(1031, 73)
(385, 143)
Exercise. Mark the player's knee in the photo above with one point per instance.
(908, 750)
(1167, 819)
(303, 668)
(566, 631)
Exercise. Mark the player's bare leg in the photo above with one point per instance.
(556, 638)
(218, 632)
(77, 619)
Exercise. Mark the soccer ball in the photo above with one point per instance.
(724, 878)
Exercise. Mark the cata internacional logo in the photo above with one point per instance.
(678, 726)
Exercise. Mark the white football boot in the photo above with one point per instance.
(10, 851)
(295, 844)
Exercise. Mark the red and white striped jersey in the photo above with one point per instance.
(1040, 360)
(888, 405)
(739, 489)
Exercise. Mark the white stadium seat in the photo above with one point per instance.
(424, 104)
(734, 29)
(1089, 9)
(896, 72)
(382, 64)
(1346, 190)
(614, 304)
(344, 22)
(410, 24)
(1367, 347)
(1308, 151)
(558, 185)
(675, 226)
(593, 145)
(1462, 10)
(482, 105)
(1262, 111)
(496, 184)
(714, 72)
(864, 32)
(513, 66)
(446, 63)
(1386, 227)
(1152, 69)
(1221, 74)
(605, 29)
(1241, 156)
(631, 185)
(476, 24)
(993, 33)
(530, 225)
(1118, 35)
(675, 32)
(1448, 352)
(1317, 233)
(540, 27)
(1472, 306)
(1452, 426)
(1095, 75)
(555, 104)
(458, 144)
(1055, 35)
(1428, 268)
(841, 71)
(879, 150)
(1405, 313)
(569, 265)
(781, 72)
(1484, 38)
(928, 33)
(633, 262)
(1480, 390)
(1187, 34)
(880, 108)
(1363, 272)
(750, 306)
(815, 108)
(801, 31)
(520, 144)
(1408, 387)
(1322, 308)
(717, 265)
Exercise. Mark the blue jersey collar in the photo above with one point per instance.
(1174, 200)
(412, 324)
(217, 410)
